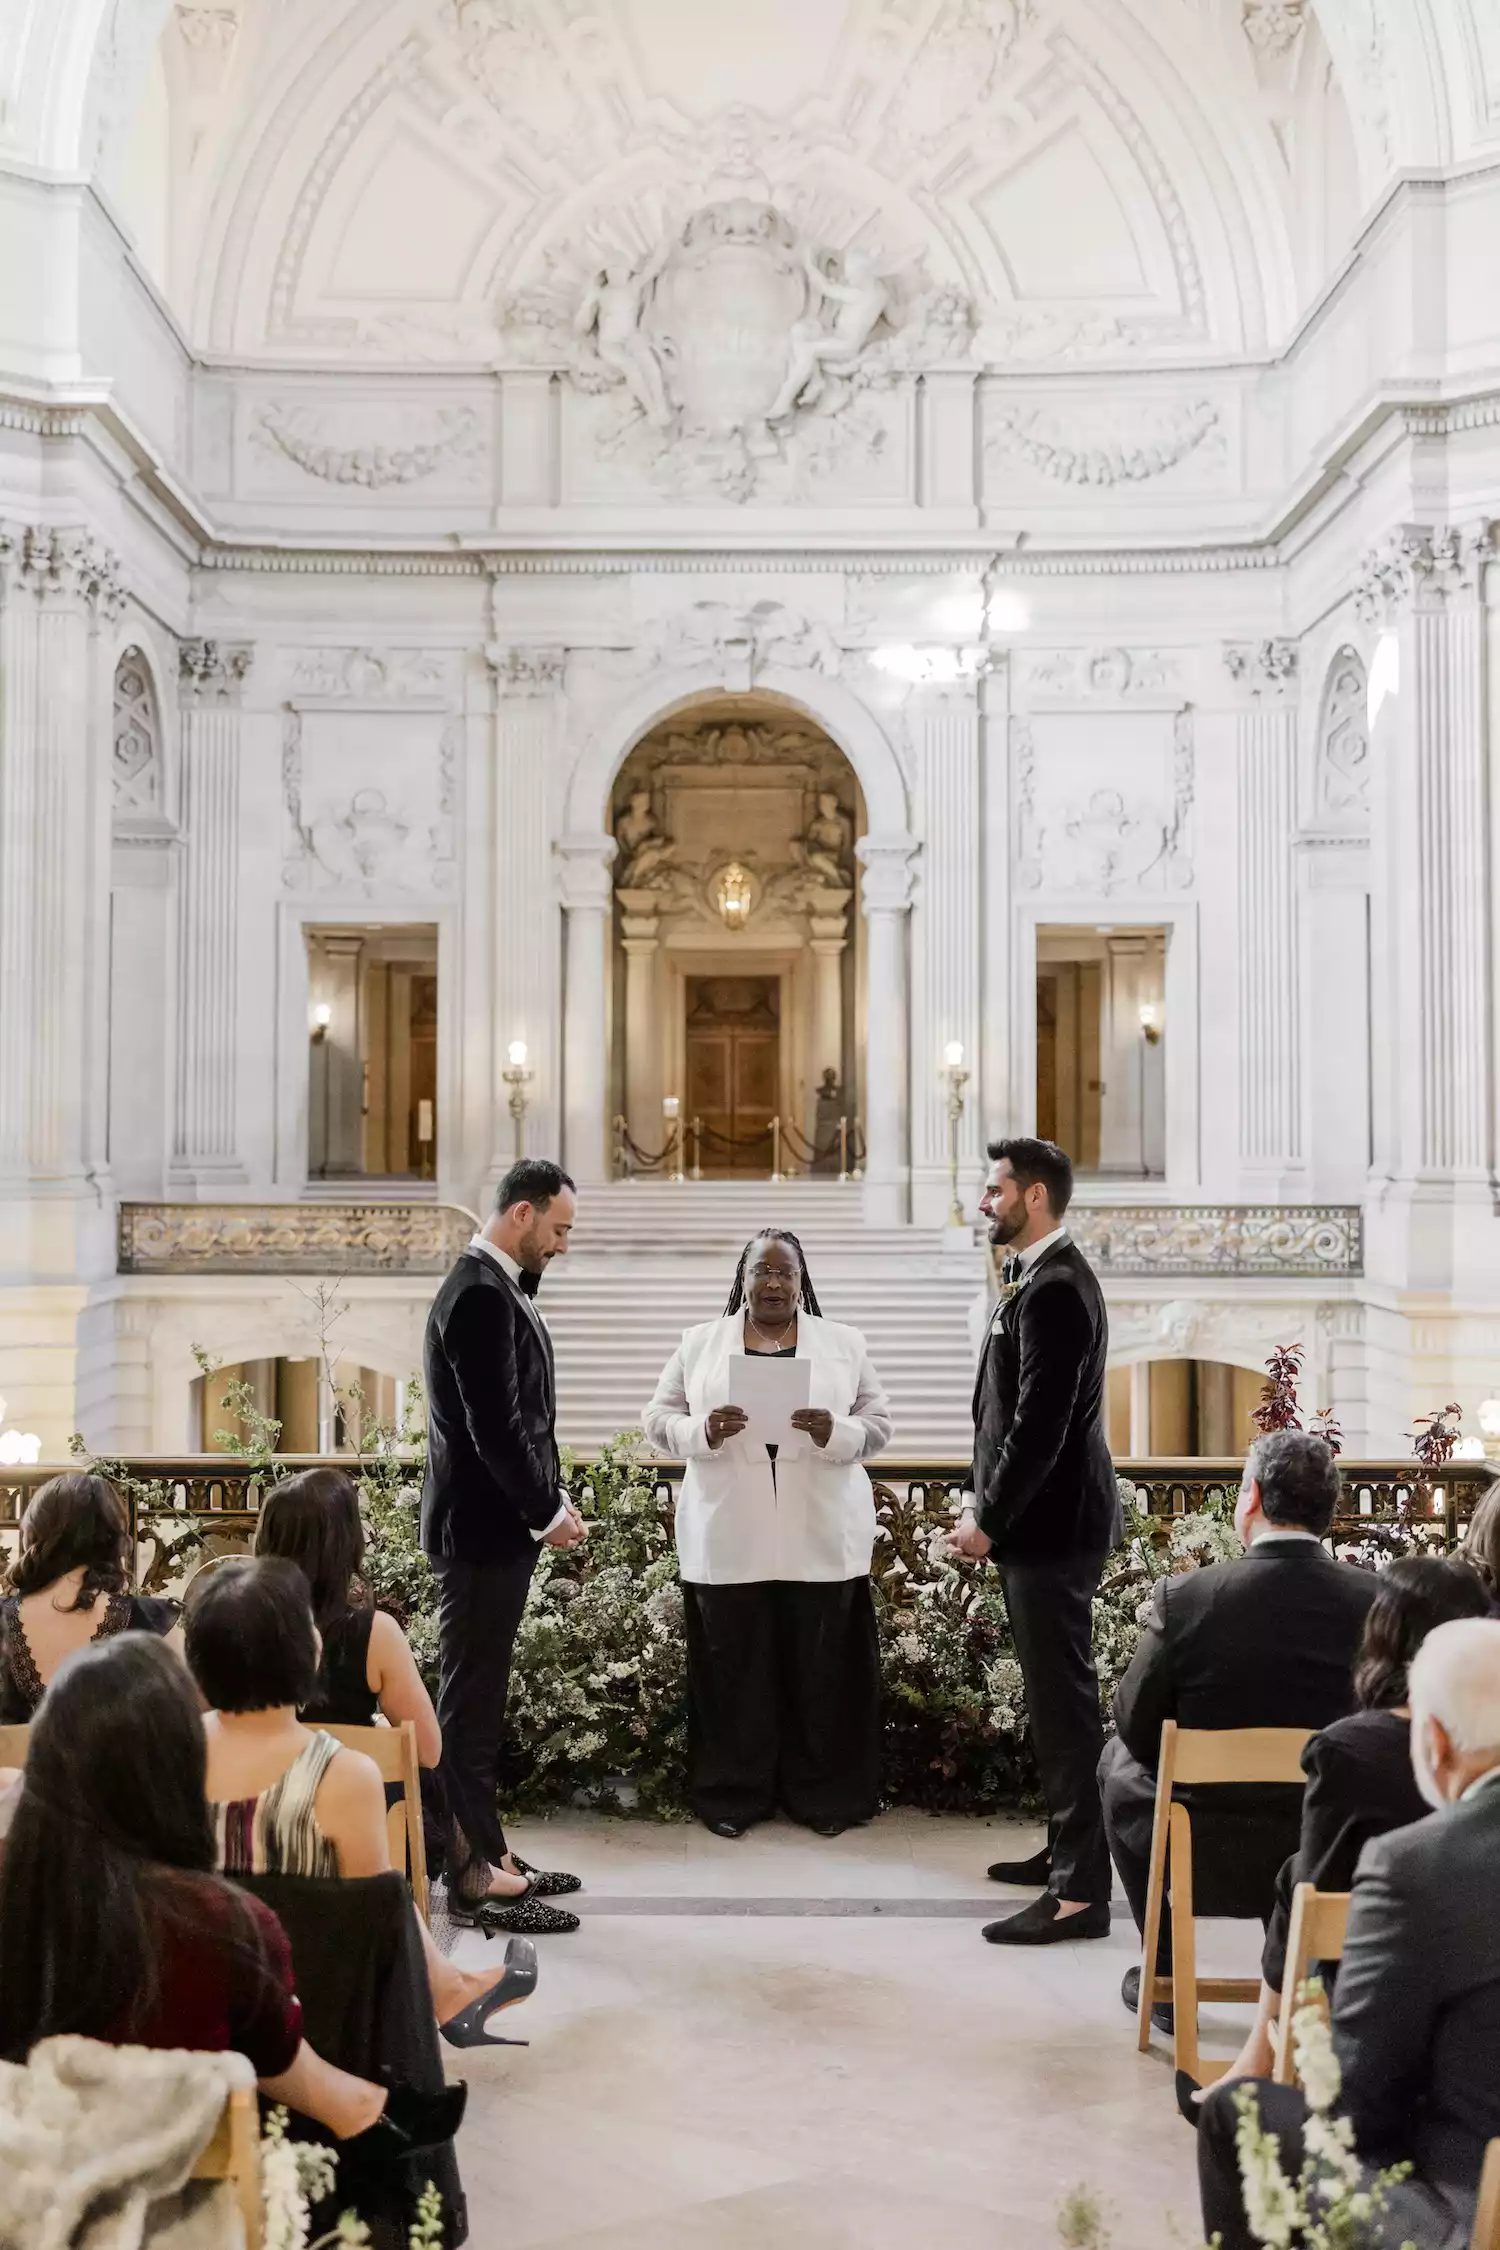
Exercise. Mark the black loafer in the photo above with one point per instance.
(555, 1885)
(1041, 1923)
(730, 1829)
(526, 1916)
(1130, 1993)
(1026, 1874)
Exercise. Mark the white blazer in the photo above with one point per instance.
(741, 1517)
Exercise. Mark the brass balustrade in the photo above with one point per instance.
(1385, 1502)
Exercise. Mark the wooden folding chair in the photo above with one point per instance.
(13, 1742)
(394, 1750)
(1319, 1919)
(234, 2155)
(1196, 1755)
(1486, 2234)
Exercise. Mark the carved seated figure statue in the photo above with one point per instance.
(613, 313)
(860, 299)
(827, 843)
(645, 853)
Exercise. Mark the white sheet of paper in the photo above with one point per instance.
(770, 1391)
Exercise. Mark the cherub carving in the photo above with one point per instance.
(612, 312)
(826, 844)
(645, 853)
(861, 299)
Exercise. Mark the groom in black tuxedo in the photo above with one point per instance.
(1045, 1509)
(491, 1500)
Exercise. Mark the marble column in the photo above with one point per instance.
(828, 939)
(641, 939)
(588, 904)
(888, 878)
(205, 1137)
(1271, 1135)
(55, 585)
(1431, 1224)
(945, 943)
(528, 690)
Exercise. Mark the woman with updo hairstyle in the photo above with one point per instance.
(313, 1520)
(69, 1585)
(774, 1545)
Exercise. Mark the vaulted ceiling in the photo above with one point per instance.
(390, 180)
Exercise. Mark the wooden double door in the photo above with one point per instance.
(734, 1071)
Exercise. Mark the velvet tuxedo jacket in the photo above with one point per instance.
(492, 1466)
(1044, 1484)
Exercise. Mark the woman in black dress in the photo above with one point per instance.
(1359, 1772)
(69, 1584)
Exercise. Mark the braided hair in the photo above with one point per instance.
(807, 1296)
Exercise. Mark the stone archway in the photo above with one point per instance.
(884, 850)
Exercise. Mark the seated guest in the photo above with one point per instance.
(1416, 2011)
(287, 1799)
(114, 1926)
(1360, 1781)
(1481, 1547)
(69, 1585)
(1267, 1641)
(367, 1666)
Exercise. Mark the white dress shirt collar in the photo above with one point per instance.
(496, 1256)
(1283, 1535)
(1028, 1257)
(1487, 1780)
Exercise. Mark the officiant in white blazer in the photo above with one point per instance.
(773, 1545)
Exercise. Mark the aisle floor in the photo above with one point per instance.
(801, 2044)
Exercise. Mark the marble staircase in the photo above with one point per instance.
(651, 1257)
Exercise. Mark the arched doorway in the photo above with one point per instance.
(737, 956)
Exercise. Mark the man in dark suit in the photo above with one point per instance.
(1046, 1509)
(492, 1496)
(1266, 1641)
(1416, 2010)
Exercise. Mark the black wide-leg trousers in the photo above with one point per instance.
(1051, 1611)
(783, 1701)
(479, 1614)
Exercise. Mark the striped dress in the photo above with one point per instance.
(277, 1833)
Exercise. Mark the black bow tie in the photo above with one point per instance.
(530, 1282)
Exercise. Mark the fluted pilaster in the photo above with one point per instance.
(945, 938)
(528, 684)
(205, 1135)
(1270, 1075)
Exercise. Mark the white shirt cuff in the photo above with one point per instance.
(562, 1509)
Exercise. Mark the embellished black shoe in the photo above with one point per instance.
(525, 1916)
(555, 1885)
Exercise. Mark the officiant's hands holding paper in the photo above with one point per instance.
(815, 1422)
(724, 1422)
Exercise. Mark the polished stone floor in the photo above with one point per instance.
(791, 2044)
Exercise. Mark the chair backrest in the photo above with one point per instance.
(233, 2154)
(394, 1750)
(13, 1745)
(1316, 1933)
(1486, 2234)
(1229, 1754)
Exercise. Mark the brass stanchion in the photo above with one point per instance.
(697, 1133)
(776, 1148)
(843, 1148)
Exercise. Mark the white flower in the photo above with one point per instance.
(1273, 2206)
(1312, 2044)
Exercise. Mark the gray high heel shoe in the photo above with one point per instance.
(518, 1983)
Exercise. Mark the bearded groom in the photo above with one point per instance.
(1045, 1510)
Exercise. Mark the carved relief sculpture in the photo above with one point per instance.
(136, 764)
(646, 854)
(829, 839)
(1343, 772)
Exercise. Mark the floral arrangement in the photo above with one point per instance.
(296, 2176)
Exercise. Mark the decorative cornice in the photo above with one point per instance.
(213, 671)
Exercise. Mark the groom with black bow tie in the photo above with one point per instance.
(1045, 1510)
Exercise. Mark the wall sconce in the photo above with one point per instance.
(518, 1078)
(322, 1017)
(1151, 1026)
(958, 1078)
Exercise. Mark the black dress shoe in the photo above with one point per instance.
(729, 1828)
(1042, 1923)
(1130, 1993)
(1186, 2089)
(524, 1916)
(1024, 1872)
(828, 1827)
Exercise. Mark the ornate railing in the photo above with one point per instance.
(1385, 1503)
(1221, 1240)
(302, 1238)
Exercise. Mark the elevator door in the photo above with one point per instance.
(734, 1071)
